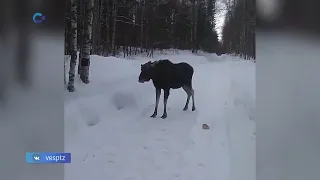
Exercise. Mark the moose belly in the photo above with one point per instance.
(176, 86)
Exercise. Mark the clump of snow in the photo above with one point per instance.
(105, 140)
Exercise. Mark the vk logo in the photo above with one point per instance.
(36, 157)
(38, 18)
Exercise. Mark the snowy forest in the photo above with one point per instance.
(130, 27)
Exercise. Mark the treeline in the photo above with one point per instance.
(111, 27)
(135, 26)
(239, 29)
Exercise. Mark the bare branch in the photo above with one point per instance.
(128, 22)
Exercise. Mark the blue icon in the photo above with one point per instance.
(36, 157)
(47, 157)
(37, 21)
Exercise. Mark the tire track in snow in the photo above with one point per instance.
(238, 115)
(209, 154)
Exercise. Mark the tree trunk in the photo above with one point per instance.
(192, 23)
(82, 14)
(101, 7)
(65, 44)
(114, 14)
(195, 27)
(73, 45)
(142, 24)
(173, 24)
(95, 27)
(85, 61)
(107, 27)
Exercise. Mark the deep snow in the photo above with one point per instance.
(111, 136)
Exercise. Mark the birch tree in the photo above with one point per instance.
(80, 31)
(73, 45)
(85, 61)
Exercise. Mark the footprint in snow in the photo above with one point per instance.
(165, 151)
(160, 139)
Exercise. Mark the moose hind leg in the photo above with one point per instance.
(192, 95)
(158, 93)
(187, 89)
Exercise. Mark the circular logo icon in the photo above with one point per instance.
(38, 18)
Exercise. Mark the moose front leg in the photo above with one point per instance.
(158, 93)
(165, 100)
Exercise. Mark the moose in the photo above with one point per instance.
(166, 75)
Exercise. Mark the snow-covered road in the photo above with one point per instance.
(111, 136)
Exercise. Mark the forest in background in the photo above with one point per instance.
(130, 27)
(134, 26)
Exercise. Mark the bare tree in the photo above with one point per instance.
(96, 26)
(143, 5)
(114, 28)
(101, 8)
(81, 31)
(73, 47)
(195, 24)
(107, 26)
(85, 60)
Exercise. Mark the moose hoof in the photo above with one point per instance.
(185, 108)
(153, 115)
(164, 116)
(193, 109)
